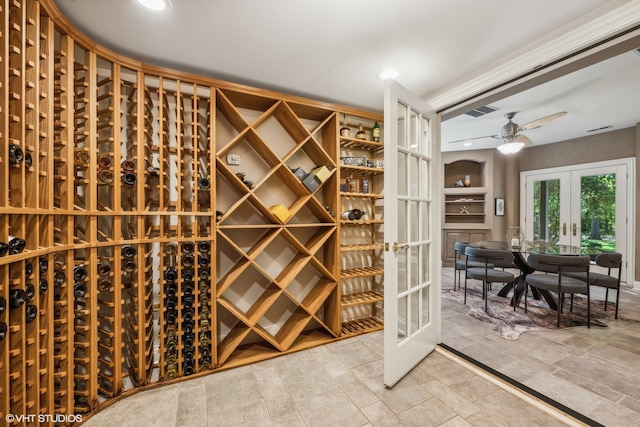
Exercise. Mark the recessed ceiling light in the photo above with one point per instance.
(468, 144)
(155, 5)
(389, 73)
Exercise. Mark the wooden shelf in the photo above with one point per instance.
(267, 284)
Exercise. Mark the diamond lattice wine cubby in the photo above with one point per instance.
(159, 225)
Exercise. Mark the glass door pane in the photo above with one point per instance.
(598, 211)
(546, 210)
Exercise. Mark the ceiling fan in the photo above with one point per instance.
(511, 134)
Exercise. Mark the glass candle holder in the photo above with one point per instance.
(515, 237)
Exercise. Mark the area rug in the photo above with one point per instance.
(510, 324)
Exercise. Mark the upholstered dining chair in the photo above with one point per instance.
(610, 261)
(486, 273)
(461, 263)
(551, 275)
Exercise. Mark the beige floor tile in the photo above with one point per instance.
(565, 392)
(381, 416)
(428, 413)
(402, 396)
(330, 409)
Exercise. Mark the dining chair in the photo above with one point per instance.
(461, 263)
(487, 273)
(551, 275)
(610, 261)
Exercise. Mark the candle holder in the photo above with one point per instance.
(515, 237)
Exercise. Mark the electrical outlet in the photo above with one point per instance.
(233, 159)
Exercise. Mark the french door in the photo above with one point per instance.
(583, 205)
(411, 230)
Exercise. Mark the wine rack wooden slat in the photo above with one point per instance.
(117, 155)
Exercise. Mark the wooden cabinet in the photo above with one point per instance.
(361, 239)
(467, 208)
(168, 228)
(451, 236)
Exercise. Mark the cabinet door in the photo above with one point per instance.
(449, 240)
(477, 235)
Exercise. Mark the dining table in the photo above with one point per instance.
(520, 252)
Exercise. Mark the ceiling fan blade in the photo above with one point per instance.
(471, 139)
(537, 123)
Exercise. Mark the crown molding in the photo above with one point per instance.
(623, 18)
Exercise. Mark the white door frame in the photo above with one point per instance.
(629, 163)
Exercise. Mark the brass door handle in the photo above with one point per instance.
(397, 246)
(564, 228)
(574, 228)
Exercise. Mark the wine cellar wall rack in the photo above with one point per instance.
(157, 225)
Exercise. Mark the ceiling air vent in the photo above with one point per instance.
(481, 111)
(597, 129)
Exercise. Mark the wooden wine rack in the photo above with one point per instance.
(361, 244)
(150, 256)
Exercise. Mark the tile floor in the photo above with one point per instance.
(596, 372)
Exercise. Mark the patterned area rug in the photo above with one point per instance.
(510, 324)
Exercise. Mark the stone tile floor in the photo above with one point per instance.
(595, 372)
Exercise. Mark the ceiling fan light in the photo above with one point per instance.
(510, 147)
(155, 5)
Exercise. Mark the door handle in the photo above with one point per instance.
(574, 228)
(564, 228)
(397, 246)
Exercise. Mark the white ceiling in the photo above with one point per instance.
(332, 50)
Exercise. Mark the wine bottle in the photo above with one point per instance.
(129, 178)
(187, 301)
(187, 288)
(16, 245)
(352, 184)
(204, 246)
(4, 248)
(104, 268)
(172, 371)
(16, 155)
(204, 183)
(79, 273)
(188, 247)
(28, 160)
(219, 216)
(365, 184)
(188, 340)
(128, 266)
(17, 297)
(203, 260)
(345, 130)
(31, 312)
(128, 251)
(43, 285)
(171, 289)
(171, 274)
(204, 274)
(171, 303)
(28, 268)
(29, 291)
(104, 162)
(43, 264)
(3, 330)
(187, 315)
(187, 327)
(187, 274)
(375, 132)
(172, 315)
(128, 166)
(59, 277)
(82, 158)
(352, 215)
(3, 305)
(361, 134)
(188, 260)
(104, 284)
(79, 289)
(188, 368)
(171, 248)
(154, 171)
(105, 176)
